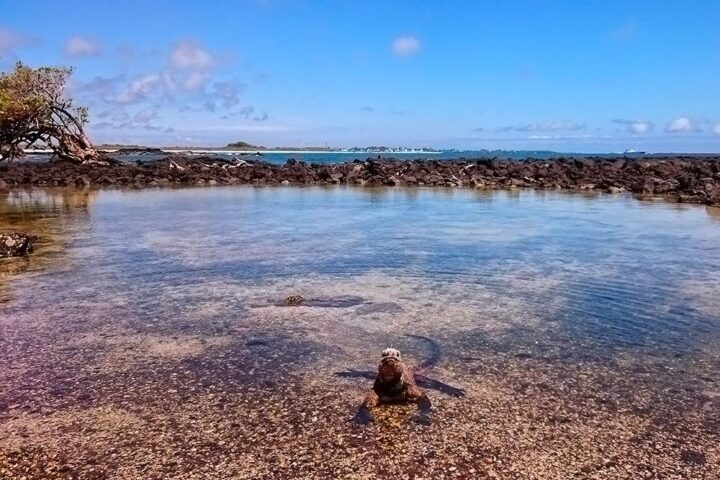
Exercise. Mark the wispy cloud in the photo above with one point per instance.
(188, 54)
(367, 109)
(126, 53)
(115, 115)
(716, 129)
(11, 40)
(228, 93)
(262, 117)
(557, 137)
(635, 126)
(119, 119)
(405, 46)
(543, 127)
(79, 46)
(195, 80)
(147, 115)
(98, 89)
(189, 74)
(245, 128)
(246, 111)
(139, 88)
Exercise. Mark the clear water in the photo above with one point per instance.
(613, 271)
(618, 294)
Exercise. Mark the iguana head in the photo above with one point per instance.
(392, 353)
(391, 367)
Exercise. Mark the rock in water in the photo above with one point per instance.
(16, 244)
(294, 300)
(713, 194)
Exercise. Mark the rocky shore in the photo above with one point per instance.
(694, 179)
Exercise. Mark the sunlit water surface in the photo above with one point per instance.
(607, 271)
(517, 288)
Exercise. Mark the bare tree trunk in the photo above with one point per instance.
(77, 148)
(74, 146)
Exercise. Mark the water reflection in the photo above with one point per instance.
(713, 213)
(56, 216)
(20, 203)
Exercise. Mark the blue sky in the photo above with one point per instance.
(590, 76)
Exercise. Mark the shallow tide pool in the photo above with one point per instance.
(146, 337)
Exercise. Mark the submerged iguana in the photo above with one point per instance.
(396, 382)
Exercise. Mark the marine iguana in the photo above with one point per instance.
(395, 382)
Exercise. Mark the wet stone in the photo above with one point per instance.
(15, 244)
(294, 301)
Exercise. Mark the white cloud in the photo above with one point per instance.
(405, 46)
(169, 82)
(682, 124)
(196, 80)
(640, 127)
(11, 40)
(189, 77)
(190, 55)
(139, 88)
(635, 126)
(716, 128)
(78, 46)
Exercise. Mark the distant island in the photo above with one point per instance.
(248, 147)
(244, 146)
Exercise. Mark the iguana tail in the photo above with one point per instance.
(432, 360)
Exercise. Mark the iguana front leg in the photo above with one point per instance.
(415, 394)
(364, 413)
